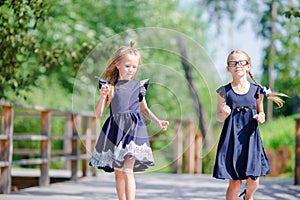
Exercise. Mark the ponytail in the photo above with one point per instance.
(273, 96)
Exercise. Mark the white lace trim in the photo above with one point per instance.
(141, 153)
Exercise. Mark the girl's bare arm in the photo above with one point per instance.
(150, 116)
(260, 117)
(223, 110)
(102, 101)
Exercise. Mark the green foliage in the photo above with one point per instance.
(293, 13)
(281, 132)
(285, 38)
(19, 43)
(286, 50)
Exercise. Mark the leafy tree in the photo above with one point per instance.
(282, 40)
(19, 22)
(293, 13)
(285, 57)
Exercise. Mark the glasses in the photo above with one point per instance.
(242, 63)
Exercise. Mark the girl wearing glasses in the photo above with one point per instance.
(240, 153)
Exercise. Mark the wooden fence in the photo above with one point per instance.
(79, 139)
(297, 153)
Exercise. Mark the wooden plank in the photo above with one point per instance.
(67, 140)
(4, 164)
(42, 109)
(190, 148)
(297, 153)
(178, 147)
(31, 137)
(95, 130)
(44, 179)
(75, 146)
(85, 144)
(198, 153)
(4, 137)
(31, 161)
(6, 149)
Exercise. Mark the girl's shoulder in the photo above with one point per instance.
(144, 83)
(224, 89)
(255, 88)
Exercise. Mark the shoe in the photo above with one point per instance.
(243, 193)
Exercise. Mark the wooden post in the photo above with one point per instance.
(178, 147)
(95, 132)
(190, 148)
(67, 140)
(6, 149)
(75, 146)
(198, 153)
(297, 153)
(86, 132)
(44, 179)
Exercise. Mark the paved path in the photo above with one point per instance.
(154, 186)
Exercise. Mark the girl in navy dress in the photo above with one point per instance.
(240, 153)
(123, 145)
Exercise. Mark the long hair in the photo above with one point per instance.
(111, 73)
(273, 96)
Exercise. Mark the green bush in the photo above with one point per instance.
(278, 133)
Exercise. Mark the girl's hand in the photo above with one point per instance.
(163, 124)
(226, 110)
(105, 89)
(260, 117)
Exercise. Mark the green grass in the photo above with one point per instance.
(281, 132)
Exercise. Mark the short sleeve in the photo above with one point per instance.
(143, 88)
(258, 91)
(101, 82)
(222, 91)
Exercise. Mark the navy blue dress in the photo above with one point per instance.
(124, 133)
(240, 152)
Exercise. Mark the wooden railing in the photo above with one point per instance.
(74, 122)
(297, 153)
(80, 134)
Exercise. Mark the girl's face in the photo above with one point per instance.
(238, 64)
(128, 66)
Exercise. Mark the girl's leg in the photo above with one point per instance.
(130, 185)
(233, 189)
(120, 184)
(251, 186)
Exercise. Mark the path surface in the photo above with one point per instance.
(154, 186)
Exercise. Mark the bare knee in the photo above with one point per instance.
(119, 175)
(233, 189)
(252, 184)
(235, 184)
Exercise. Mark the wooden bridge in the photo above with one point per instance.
(78, 137)
(155, 186)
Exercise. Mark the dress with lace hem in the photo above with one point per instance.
(124, 133)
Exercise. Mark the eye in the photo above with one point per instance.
(243, 62)
(232, 63)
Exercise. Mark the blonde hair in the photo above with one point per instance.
(273, 96)
(111, 73)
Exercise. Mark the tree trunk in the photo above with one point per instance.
(203, 122)
(271, 60)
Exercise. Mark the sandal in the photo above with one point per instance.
(243, 193)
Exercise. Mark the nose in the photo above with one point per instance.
(131, 68)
